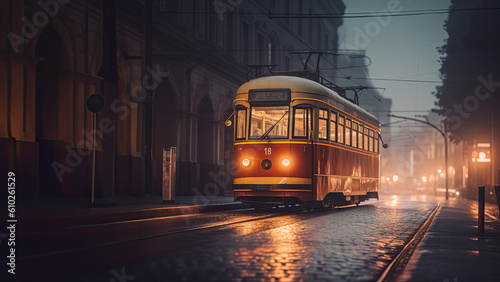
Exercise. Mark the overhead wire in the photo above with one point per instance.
(340, 15)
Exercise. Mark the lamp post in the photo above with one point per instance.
(443, 133)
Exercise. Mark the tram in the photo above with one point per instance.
(299, 142)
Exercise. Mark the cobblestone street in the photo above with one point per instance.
(349, 244)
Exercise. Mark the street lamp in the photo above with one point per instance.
(445, 144)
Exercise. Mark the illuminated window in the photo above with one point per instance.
(365, 139)
(371, 141)
(375, 139)
(323, 124)
(340, 130)
(333, 126)
(354, 134)
(348, 132)
(360, 136)
(265, 118)
(302, 121)
(241, 122)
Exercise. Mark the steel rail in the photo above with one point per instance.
(397, 265)
(197, 228)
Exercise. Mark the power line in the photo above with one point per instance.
(312, 49)
(336, 15)
(400, 80)
(377, 14)
(402, 111)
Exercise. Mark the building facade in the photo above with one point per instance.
(468, 98)
(167, 70)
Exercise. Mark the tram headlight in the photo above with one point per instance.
(245, 162)
(482, 155)
(286, 162)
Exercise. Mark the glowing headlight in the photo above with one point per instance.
(286, 162)
(245, 162)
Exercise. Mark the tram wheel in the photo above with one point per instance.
(308, 206)
(259, 207)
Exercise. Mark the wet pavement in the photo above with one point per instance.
(348, 244)
(453, 250)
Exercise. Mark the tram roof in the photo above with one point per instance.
(310, 87)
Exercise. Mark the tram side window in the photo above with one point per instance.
(366, 139)
(340, 130)
(360, 136)
(354, 134)
(302, 118)
(333, 126)
(375, 139)
(371, 140)
(348, 132)
(241, 121)
(323, 124)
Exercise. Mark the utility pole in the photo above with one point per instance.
(109, 73)
(444, 134)
(148, 103)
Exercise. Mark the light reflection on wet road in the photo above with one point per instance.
(349, 244)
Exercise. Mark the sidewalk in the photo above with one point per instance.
(453, 251)
(66, 212)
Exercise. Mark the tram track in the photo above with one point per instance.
(162, 234)
(398, 264)
(235, 225)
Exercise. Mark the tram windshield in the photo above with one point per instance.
(264, 118)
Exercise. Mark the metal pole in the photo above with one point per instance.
(148, 103)
(93, 155)
(444, 134)
(446, 160)
(497, 192)
(480, 210)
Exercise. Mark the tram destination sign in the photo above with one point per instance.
(270, 95)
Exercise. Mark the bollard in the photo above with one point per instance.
(480, 210)
(497, 191)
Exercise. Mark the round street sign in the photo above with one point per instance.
(95, 103)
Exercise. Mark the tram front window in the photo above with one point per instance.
(263, 118)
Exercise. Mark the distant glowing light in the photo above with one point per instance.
(286, 162)
(482, 155)
(424, 179)
(395, 178)
(245, 162)
(440, 170)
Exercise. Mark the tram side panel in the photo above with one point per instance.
(338, 170)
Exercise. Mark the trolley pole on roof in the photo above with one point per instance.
(444, 134)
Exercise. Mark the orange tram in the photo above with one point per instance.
(298, 142)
